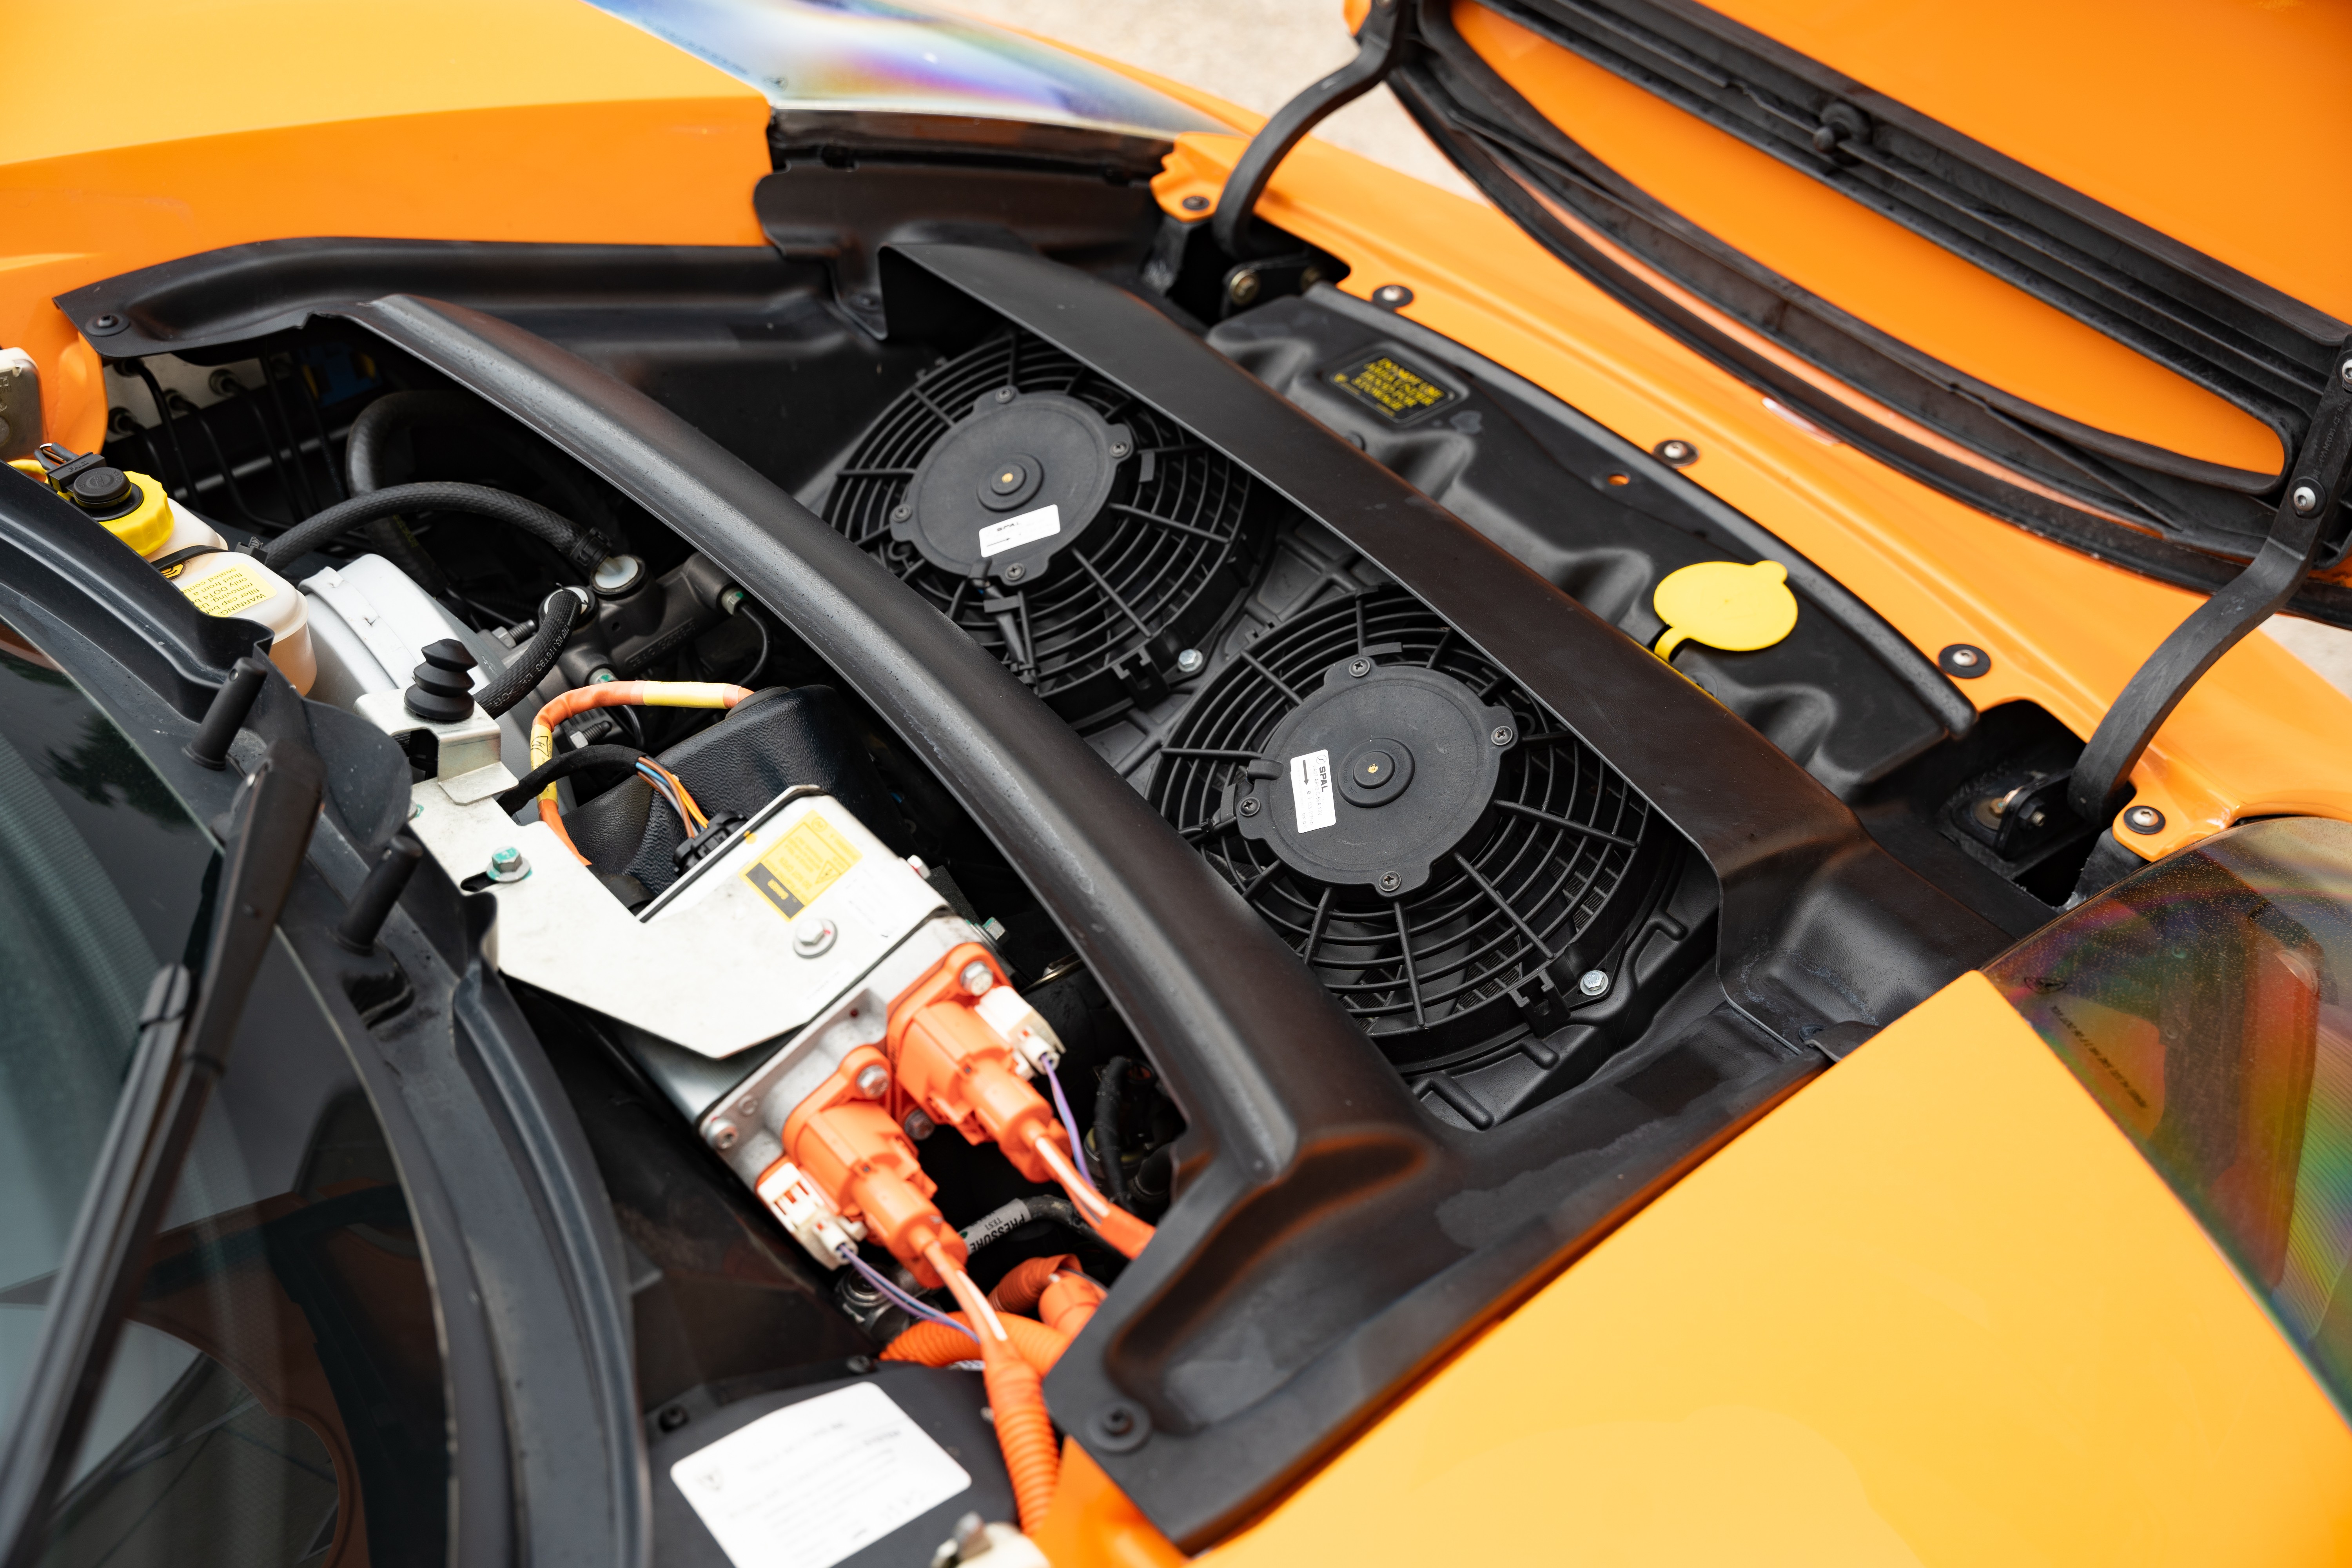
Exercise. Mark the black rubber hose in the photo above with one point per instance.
(398, 411)
(1106, 1130)
(362, 454)
(529, 666)
(582, 548)
(562, 765)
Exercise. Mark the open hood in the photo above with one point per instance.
(2000, 249)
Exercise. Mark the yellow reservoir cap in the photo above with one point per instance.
(145, 528)
(1726, 605)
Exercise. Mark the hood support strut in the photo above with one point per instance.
(2300, 531)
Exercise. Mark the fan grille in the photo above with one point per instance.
(1158, 557)
(1418, 972)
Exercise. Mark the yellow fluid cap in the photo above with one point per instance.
(1725, 604)
(147, 526)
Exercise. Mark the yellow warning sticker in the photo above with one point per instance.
(225, 591)
(803, 864)
(1396, 390)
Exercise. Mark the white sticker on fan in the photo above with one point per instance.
(1310, 790)
(1015, 532)
(811, 1484)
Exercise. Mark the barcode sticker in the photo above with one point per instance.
(1310, 790)
(1015, 531)
(811, 1484)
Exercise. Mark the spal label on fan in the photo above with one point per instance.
(1310, 790)
(1015, 532)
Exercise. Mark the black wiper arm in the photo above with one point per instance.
(184, 1033)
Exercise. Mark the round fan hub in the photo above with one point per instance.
(1377, 776)
(1015, 482)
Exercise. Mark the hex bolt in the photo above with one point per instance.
(812, 935)
(2306, 498)
(1502, 735)
(873, 1081)
(977, 978)
(723, 1136)
(1359, 669)
(1194, 203)
(372, 905)
(1191, 661)
(1391, 881)
(918, 1126)
(1593, 981)
(2144, 819)
(1248, 806)
(506, 865)
(226, 715)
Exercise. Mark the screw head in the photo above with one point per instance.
(1359, 668)
(1194, 203)
(2344, 371)
(723, 1136)
(1393, 296)
(2144, 819)
(1676, 454)
(1502, 735)
(1119, 1426)
(873, 1081)
(1242, 286)
(977, 978)
(917, 1126)
(1391, 881)
(1006, 393)
(1249, 806)
(1964, 661)
(671, 1418)
(105, 324)
(813, 936)
(507, 865)
(901, 513)
(2305, 499)
(1593, 981)
(1191, 661)
(748, 1106)
(1119, 448)
(1015, 572)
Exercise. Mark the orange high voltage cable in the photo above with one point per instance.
(616, 694)
(1016, 1398)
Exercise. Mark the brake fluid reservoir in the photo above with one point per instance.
(191, 554)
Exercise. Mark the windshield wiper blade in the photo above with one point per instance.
(186, 1030)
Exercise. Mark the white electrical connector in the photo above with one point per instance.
(1017, 1024)
(809, 1214)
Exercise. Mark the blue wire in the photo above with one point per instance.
(1070, 1126)
(849, 1255)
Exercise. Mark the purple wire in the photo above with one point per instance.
(1070, 1126)
(931, 1314)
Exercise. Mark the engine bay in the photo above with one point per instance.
(861, 1072)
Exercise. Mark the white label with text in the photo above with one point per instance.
(1015, 532)
(1310, 790)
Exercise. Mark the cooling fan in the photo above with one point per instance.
(1419, 829)
(1069, 529)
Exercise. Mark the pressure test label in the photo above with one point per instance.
(814, 1483)
(1310, 790)
(1015, 532)
(803, 864)
(1399, 392)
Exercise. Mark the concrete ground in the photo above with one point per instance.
(1258, 53)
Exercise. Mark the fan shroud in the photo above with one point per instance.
(1428, 971)
(1158, 564)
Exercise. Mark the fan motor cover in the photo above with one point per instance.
(1014, 481)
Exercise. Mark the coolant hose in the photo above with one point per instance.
(562, 765)
(582, 548)
(936, 1344)
(1016, 1398)
(529, 666)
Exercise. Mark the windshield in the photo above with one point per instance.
(276, 1396)
(2204, 1003)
